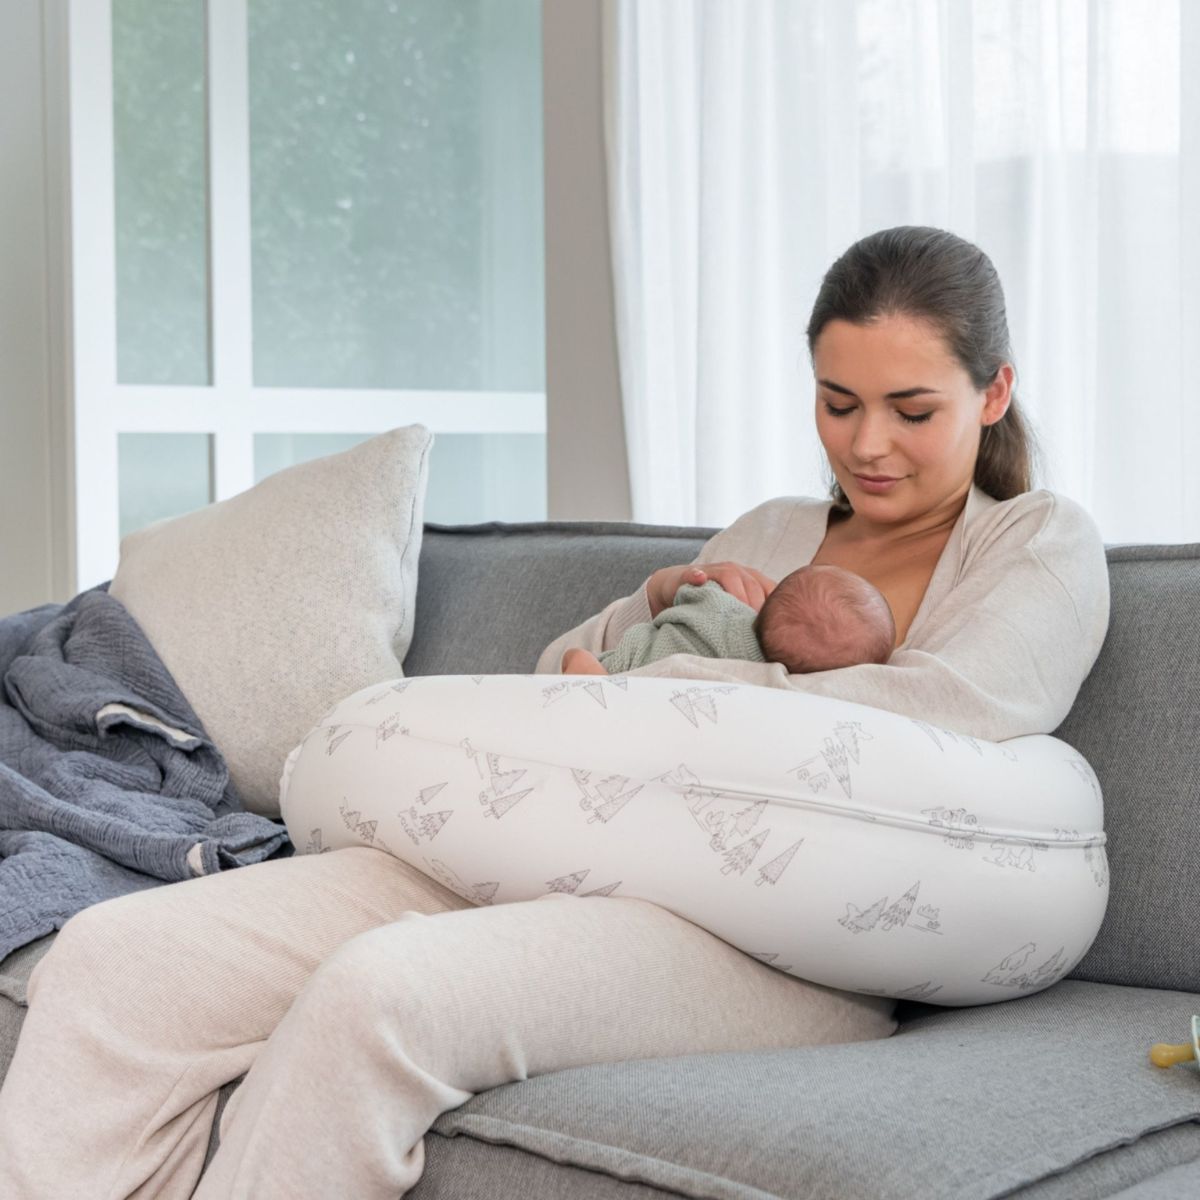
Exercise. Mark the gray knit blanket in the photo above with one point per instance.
(108, 782)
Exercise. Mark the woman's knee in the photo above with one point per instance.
(370, 979)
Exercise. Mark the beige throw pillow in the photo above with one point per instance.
(271, 606)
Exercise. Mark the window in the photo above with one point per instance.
(298, 223)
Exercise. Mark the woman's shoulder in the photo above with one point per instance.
(1040, 518)
(1052, 536)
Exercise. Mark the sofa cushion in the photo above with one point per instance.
(270, 606)
(1135, 722)
(1177, 1183)
(1159, 1166)
(960, 1103)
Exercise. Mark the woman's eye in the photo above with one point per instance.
(911, 418)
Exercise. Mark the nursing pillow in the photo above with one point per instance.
(841, 843)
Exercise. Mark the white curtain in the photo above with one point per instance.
(749, 143)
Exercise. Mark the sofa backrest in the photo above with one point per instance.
(1137, 721)
(491, 597)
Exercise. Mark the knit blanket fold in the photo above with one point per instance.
(108, 782)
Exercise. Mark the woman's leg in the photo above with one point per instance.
(412, 1018)
(147, 1004)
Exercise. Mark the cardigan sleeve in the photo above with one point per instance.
(1004, 654)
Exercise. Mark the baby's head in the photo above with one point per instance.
(822, 617)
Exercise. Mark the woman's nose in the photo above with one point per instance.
(871, 438)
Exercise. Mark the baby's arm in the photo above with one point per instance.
(582, 662)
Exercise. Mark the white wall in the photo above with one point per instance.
(34, 546)
(588, 474)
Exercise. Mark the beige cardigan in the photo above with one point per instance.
(1012, 620)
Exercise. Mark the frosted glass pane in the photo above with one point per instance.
(486, 477)
(396, 167)
(274, 451)
(473, 477)
(162, 475)
(161, 185)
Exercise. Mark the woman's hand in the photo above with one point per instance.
(745, 583)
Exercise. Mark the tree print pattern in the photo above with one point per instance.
(314, 844)
(571, 884)
(1010, 971)
(857, 848)
(697, 702)
(334, 737)
(606, 796)
(898, 915)
(595, 689)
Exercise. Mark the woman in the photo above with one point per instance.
(359, 1019)
(1000, 594)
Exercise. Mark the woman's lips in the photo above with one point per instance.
(876, 486)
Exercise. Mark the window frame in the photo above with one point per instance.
(231, 409)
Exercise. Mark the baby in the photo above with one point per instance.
(818, 618)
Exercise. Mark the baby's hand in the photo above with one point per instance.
(582, 662)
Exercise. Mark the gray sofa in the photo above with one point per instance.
(1047, 1096)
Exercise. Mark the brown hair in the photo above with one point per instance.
(933, 275)
(820, 617)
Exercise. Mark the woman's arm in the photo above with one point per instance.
(1003, 656)
(598, 633)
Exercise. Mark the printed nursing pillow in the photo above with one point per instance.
(844, 844)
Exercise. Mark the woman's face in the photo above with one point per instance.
(908, 410)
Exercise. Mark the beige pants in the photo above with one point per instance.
(359, 1019)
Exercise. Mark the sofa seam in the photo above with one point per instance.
(1065, 1168)
(580, 528)
(491, 1130)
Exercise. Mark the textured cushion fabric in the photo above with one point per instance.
(959, 1104)
(477, 1168)
(1164, 1163)
(1161, 1166)
(1135, 722)
(493, 597)
(270, 606)
(1158, 1166)
(1178, 1183)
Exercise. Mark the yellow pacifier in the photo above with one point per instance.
(1164, 1055)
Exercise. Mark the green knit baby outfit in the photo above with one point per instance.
(703, 620)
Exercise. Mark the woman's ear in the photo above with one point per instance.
(998, 395)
